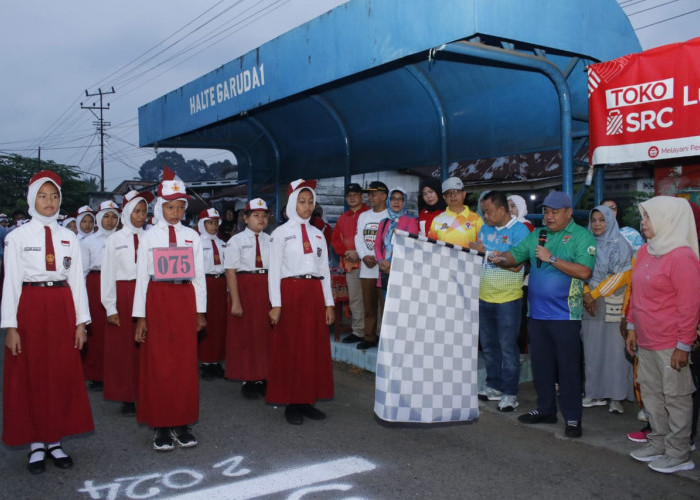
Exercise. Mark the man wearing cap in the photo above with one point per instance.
(367, 225)
(457, 225)
(343, 242)
(562, 258)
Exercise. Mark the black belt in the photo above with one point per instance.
(216, 275)
(173, 282)
(45, 283)
(306, 277)
(257, 271)
(93, 271)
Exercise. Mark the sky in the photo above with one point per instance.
(51, 53)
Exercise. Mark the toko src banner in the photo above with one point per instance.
(645, 106)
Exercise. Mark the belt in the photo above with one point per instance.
(216, 275)
(93, 271)
(306, 277)
(173, 282)
(257, 271)
(49, 284)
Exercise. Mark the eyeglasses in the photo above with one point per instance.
(395, 198)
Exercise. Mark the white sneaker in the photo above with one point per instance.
(590, 402)
(490, 394)
(508, 403)
(642, 416)
(616, 407)
(646, 454)
(669, 465)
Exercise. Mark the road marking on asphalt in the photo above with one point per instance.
(281, 481)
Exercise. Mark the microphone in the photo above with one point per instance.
(542, 240)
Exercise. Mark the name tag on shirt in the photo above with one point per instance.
(173, 263)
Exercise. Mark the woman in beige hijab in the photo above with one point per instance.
(662, 317)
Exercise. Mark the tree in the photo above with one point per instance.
(152, 170)
(15, 172)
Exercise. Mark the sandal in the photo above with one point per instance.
(40, 465)
(63, 462)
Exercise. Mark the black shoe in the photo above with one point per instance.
(293, 415)
(63, 462)
(208, 372)
(128, 409)
(40, 465)
(351, 339)
(95, 385)
(261, 387)
(535, 417)
(312, 412)
(163, 440)
(367, 345)
(573, 429)
(219, 370)
(183, 437)
(249, 390)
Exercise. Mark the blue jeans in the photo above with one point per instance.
(499, 327)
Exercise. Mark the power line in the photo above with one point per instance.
(665, 20)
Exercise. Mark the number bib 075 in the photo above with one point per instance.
(173, 263)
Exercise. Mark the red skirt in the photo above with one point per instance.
(93, 352)
(168, 379)
(248, 337)
(300, 370)
(44, 396)
(212, 341)
(121, 350)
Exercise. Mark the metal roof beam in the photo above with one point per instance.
(275, 150)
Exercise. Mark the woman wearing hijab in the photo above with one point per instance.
(662, 318)
(398, 219)
(44, 312)
(170, 303)
(430, 203)
(608, 373)
(117, 284)
(300, 368)
(92, 247)
(518, 209)
(85, 222)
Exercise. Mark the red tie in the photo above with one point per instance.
(258, 257)
(50, 255)
(172, 239)
(136, 247)
(217, 259)
(305, 239)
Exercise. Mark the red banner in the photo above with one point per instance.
(645, 106)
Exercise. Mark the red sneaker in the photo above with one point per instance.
(641, 436)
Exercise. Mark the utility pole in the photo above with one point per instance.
(100, 124)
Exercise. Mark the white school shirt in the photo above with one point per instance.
(240, 251)
(208, 253)
(117, 265)
(93, 246)
(367, 226)
(287, 258)
(25, 260)
(158, 237)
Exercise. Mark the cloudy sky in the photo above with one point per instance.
(52, 52)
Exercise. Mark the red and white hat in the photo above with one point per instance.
(85, 209)
(255, 204)
(300, 184)
(46, 175)
(146, 195)
(107, 205)
(172, 187)
(209, 213)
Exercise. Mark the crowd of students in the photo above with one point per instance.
(138, 312)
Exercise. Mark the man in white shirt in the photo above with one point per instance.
(367, 225)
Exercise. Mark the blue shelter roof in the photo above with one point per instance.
(389, 84)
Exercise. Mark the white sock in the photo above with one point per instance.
(36, 457)
(59, 452)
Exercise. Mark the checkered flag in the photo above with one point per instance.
(427, 358)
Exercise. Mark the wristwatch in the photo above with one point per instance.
(553, 259)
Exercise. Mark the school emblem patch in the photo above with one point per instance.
(67, 262)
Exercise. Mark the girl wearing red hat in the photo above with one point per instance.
(212, 340)
(44, 310)
(170, 302)
(92, 247)
(300, 371)
(248, 327)
(121, 355)
(85, 222)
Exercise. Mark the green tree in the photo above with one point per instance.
(16, 170)
(152, 170)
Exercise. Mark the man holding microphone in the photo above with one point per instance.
(562, 259)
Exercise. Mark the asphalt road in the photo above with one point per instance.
(247, 450)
